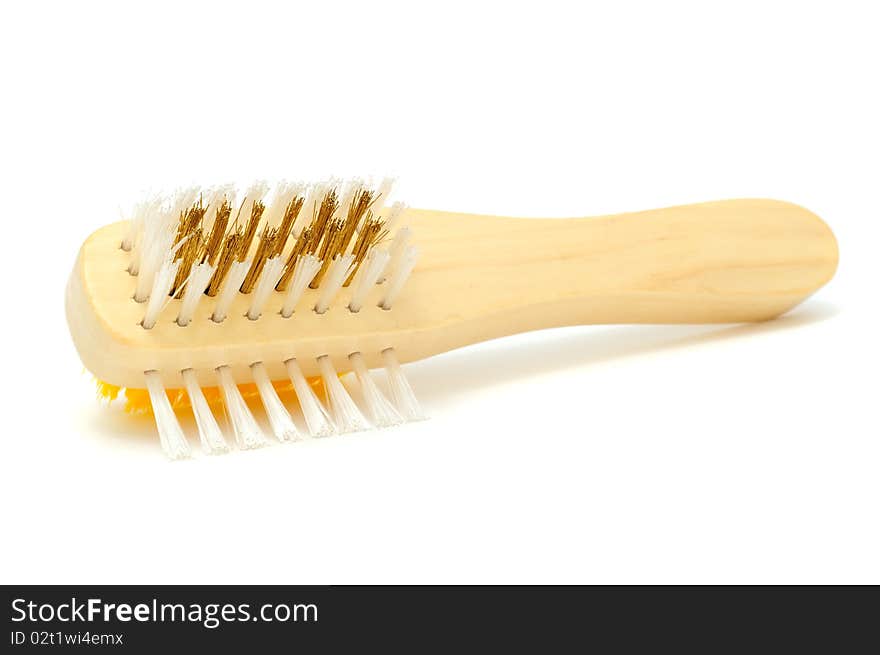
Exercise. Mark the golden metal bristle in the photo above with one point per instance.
(250, 230)
(300, 247)
(331, 246)
(322, 217)
(265, 250)
(189, 219)
(333, 230)
(190, 251)
(218, 231)
(372, 233)
(228, 254)
(360, 205)
(290, 215)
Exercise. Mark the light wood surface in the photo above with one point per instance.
(478, 278)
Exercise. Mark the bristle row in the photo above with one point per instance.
(171, 437)
(339, 413)
(205, 237)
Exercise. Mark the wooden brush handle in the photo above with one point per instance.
(715, 262)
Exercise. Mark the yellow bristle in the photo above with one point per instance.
(137, 401)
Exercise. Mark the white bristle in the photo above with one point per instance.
(304, 270)
(171, 435)
(313, 199)
(130, 236)
(154, 248)
(381, 412)
(215, 198)
(146, 251)
(279, 418)
(137, 230)
(402, 395)
(346, 415)
(316, 418)
(394, 214)
(234, 277)
(400, 276)
(283, 193)
(349, 188)
(195, 289)
(160, 229)
(183, 200)
(210, 434)
(383, 191)
(398, 247)
(269, 277)
(371, 271)
(255, 193)
(142, 210)
(244, 425)
(159, 293)
(134, 262)
(333, 281)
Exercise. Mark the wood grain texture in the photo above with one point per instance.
(478, 278)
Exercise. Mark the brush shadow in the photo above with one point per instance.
(445, 377)
(116, 428)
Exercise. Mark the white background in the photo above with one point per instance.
(738, 454)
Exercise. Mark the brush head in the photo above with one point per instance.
(200, 280)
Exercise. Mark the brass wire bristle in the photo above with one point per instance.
(250, 230)
(342, 224)
(228, 254)
(290, 215)
(372, 233)
(331, 246)
(187, 254)
(338, 234)
(266, 249)
(189, 220)
(322, 217)
(300, 247)
(218, 231)
(360, 205)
